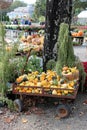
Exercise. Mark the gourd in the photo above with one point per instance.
(54, 92)
(77, 34)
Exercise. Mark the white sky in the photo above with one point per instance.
(29, 1)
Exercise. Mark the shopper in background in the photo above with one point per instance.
(22, 21)
(27, 21)
(15, 21)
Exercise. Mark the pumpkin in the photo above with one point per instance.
(59, 94)
(74, 34)
(65, 68)
(77, 34)
(19, 79)
(80, 33)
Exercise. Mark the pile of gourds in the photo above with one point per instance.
(49, 83)
(77, 34)
(34, 42)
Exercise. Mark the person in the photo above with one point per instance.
(27, 22)
(15, 21)
(23, 21)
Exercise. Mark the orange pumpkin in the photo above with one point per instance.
(65, 68)
(19, 79)
(74, 34)
(80, 33)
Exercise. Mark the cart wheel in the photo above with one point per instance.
(63, 111)
(18, 105)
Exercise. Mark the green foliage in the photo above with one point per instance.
(76, 43)
(50, 65)
(82, 74)
(41, 18)
(34, 64)
(33, 52)
(16, 4)
(40, 9)
(65, 48)
(41, 32)
(8, 102)
(4, 69)
(7, 67)
(4, 17)
(38, 53)
(79, 5)
(66, 54)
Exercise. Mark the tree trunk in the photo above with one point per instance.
(57, 11)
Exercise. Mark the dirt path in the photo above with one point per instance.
(46, 118)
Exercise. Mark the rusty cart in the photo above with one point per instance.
(63, 110)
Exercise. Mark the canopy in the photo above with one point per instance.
(83, 14)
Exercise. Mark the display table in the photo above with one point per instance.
(15, 30)
(78, 39)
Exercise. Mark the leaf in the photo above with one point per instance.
(9, 119)
(24, 120)
(57, 117)
(81, 113)
(85, 102)
(37, 110)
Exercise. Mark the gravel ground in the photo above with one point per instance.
(47, 119)
(44, 117)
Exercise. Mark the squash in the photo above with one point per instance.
(65, 92)
(54, 92)
(65, 68)
(59, 94)
(19, 79)
(44, 83)
(29, 91)
(36, 91)
(42, 78)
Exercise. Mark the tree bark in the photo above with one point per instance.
(57, 11)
